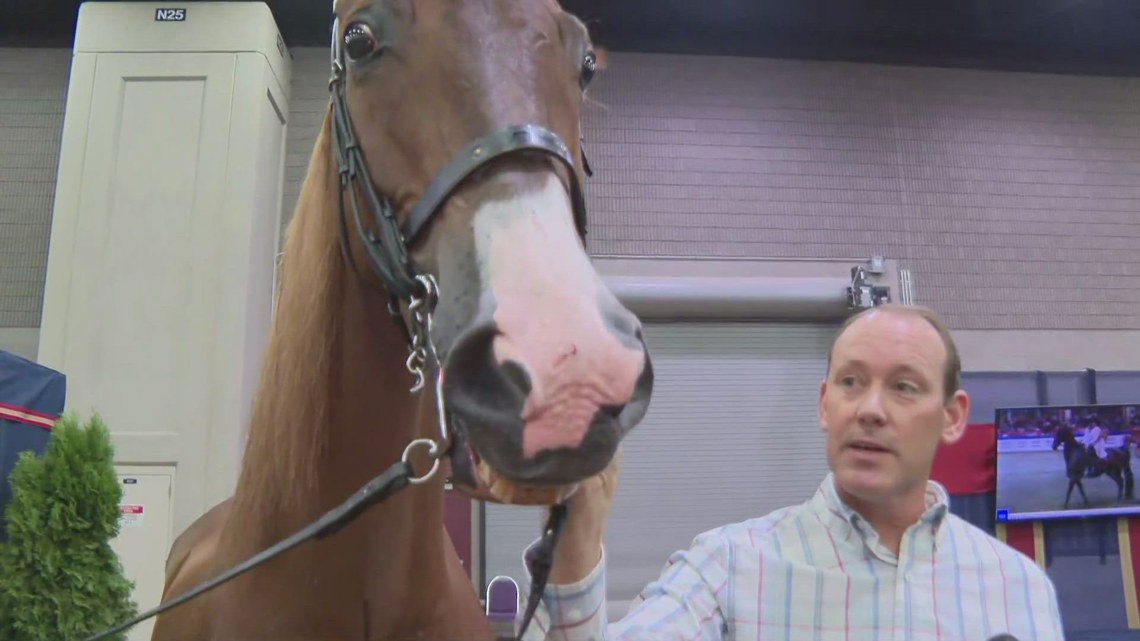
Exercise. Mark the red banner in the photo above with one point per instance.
(1020, 536)
(969, 465)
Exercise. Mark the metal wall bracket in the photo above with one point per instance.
(862, 293)
(876, 265)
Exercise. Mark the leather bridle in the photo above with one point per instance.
(387, 245)
(387, 248)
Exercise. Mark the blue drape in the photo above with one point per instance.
(24, 386)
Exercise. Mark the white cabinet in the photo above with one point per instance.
(165, 230)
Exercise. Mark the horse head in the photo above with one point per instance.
(1063, 435)
(456, 127)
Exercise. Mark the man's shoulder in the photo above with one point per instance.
(749, 532)
(982, 540)
(987, 549)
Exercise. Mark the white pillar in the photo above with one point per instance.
(164, 235)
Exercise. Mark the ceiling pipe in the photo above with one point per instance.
(732, 298)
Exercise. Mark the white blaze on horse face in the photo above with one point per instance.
(551, 311)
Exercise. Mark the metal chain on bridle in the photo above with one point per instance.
(386, 248)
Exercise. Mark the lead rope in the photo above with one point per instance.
(539, 560)
(398, 476)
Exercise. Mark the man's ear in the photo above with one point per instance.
(822, 410)
(957, 416)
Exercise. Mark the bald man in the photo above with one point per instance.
(874, 554)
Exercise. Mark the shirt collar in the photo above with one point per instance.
(830, 505)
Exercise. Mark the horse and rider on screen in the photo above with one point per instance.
(1089, 457)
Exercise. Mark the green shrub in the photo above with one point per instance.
(59, 578)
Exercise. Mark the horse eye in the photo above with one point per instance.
(359, 41)
(589, 66)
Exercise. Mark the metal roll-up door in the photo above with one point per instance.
(732, 433)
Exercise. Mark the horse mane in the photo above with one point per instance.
(291, 408)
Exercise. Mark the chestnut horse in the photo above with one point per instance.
(441, 215)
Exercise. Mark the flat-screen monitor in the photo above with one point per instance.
(1065, 461)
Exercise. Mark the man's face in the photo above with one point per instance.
(883, 407)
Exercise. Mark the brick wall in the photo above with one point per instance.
(1014, 199)
(33, 88)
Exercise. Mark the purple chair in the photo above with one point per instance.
(503, 606)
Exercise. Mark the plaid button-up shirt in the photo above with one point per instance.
(817, 571)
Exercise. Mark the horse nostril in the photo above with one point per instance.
(514, 374)
(613, 411)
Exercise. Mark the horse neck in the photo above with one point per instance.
(326, 435)
(333, 409)
(372, 414)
